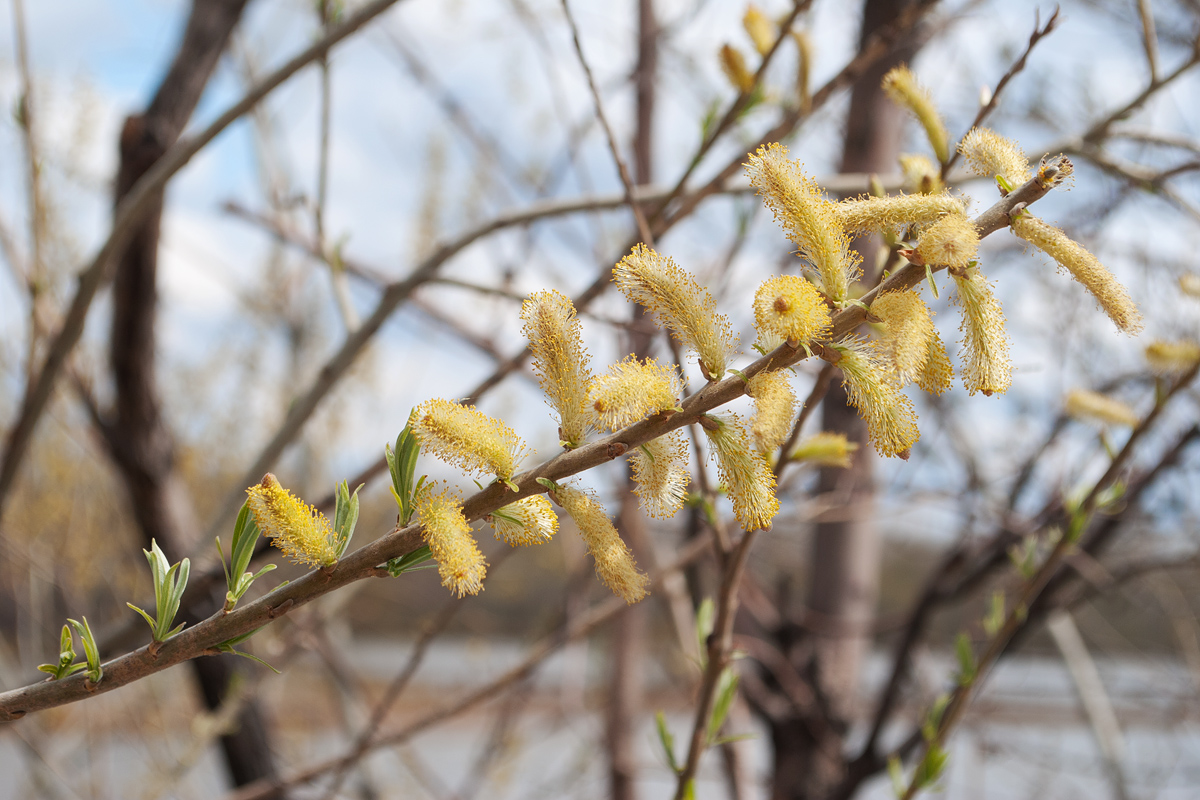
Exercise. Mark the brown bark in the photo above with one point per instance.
(138, 439)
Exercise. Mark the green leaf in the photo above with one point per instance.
(169, 584)
(995, 617)
(704, 628)
(966, 659)
(345, 517)
(90, 649)
(932, 283)
(727, 685)
(896, 773)
(667, 740)
(407, 563)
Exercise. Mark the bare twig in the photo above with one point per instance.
(1149, 37)
(126, 219)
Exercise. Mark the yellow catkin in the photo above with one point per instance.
(528, 521)
(299, 530)
(936, 375)
(804, 55)
(868, 213)
(744, 471)
(661, 474)
(891, 421)
(446, 531)
(1190, 285)
(986, 367)
(760, 29)
(952, 241)
(825, 449)
(1084, 404)
(774, 406)
(902, 87)
(560, 360)
(1172, 358)
(614, 561)
(791, 308)
(467, 438)
(905, 341)
(679, 303)
(990, 154)
(1083, 267)
(631, 391)
(810, 220)
(921, 174)
(733, 64)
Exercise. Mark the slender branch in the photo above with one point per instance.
(126, 220)
(1038, 34)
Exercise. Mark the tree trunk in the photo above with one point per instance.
(138, 439)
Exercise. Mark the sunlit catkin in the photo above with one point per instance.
(661, 474)
(467, 438)
(614, 561)
(984, 352)
(744, 471)
(631, 391)
(1084, 404)
(679, 303)
(1172, 358)
(921, 174)
(910, 342)
(299, 530)
(890, 213)
(526, 522)
(990, 154)
(891, 421)
(759, 28)
(902, 87)
(952, 241)
(825, 449)
(791, 308)
(774, 406)
(446, 531)
(810, 220)
(1083, 267)
(560, 360)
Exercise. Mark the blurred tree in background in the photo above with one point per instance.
(309, 217)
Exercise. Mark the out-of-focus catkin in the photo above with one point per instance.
(733, 64)
(810, 220)
(760, 29)
(910, 342)
(1083, 267)
(902, 87)
(984, 353)
(679, 303)
(614, 561)
(1172, 358)
(1084, 404)
(921, 174)
(891, 421)
(560, 360)
(460, 563)
(825, 449)
(744, 471)
(661, 474)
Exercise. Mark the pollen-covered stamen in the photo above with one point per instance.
(614, 561)
(460, 563)
(560, 360)
(891, 421)
(526, 522)
(990, 154)
(792, 309)
(896, 211)
(984, 351)
(774, 406)
(661, 475)
(299, 530)
(467, 438)
(952, 241)
(744, 471)
(632, 390)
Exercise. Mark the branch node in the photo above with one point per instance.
(281, 609)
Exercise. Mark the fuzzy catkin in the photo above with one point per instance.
(631, 391)
(614, 561)
(810, 220)
(986, 367)
(744, 471)
(467, 438)
(661, 474)
(774, 406)
(891, 421)
(680, 304)
(560, 360)
(528, 521)
(461, 565)
(868, 213)
(990, 154)
(304, 534)
(1083, 267)
(902, 87)
(790, 307)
